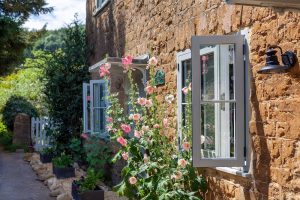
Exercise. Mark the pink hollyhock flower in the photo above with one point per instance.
(132, 180)
(146, 158)
(109, 127)
(137, 134)
(182, 163)
(166, 122)
(126, 128)
(88, 98)
(109, 119)
(125, 155)
(186, 146)
(136, 117)
(149, 89)
(104, 70)
(141, 101)
(149, 103)
(122, 141)
(130, 117)
(126, 62)
(152, 61)
(185, 90)
(169, 98)
(84, 136)
(177, 175)
(145, 128)
(155, 126)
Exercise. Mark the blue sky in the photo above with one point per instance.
(64, 11)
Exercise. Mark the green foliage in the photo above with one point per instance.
(90, 181)
(21, 10)
(51, 41)
(155, 169)
(76, 149)
(98, 154)
(62, 161)
(13, 38)
(5, 135)
(15, 105)
(63, 85)
(47, 151)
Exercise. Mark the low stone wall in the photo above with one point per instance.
(61, 188)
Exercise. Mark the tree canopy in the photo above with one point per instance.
(13, 38)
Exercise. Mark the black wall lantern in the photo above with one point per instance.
(272, 65)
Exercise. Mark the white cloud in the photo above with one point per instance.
(63, 13)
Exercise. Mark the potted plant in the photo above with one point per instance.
(86, 188)
(46, 155)
(62, 166)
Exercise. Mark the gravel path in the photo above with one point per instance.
(17, 179)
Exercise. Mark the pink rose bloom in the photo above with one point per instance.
(136, 117)
(155, 126)
(132, 180)
(152, 61)
(109, 119)
(182, 163)
(185, 90)
(104, 70)
(166, 122)
(126, 128)
(125, 155)
(186, 146)
(149, 103)
(146, 158)
(145, 128)
(122, 141)
(137, 134)
(149, 89)
(141, 101)
(84, 136)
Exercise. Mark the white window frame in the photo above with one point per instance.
(100, 4)
(198, 159)
(88, 120)
(181, 57)
(85, 95)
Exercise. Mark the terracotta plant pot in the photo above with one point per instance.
(66, 172)
(46, 158)
(96, 194)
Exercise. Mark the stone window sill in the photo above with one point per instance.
(234, 171)
(98, 10)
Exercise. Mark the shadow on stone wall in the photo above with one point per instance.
(260, 153)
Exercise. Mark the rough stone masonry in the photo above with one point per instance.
(136, 27)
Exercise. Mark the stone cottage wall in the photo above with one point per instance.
(136, 27)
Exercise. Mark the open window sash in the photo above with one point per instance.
(86, 107)
(218, 104)
(98, 105)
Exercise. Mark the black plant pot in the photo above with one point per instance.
(96, 194)
(46, 158)
(66, 172)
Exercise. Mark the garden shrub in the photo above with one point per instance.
(14, 106)
(64, 75)
(98, 155)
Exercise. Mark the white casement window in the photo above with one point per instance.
(218, 101)
(184, 77)
(94, 106)
(101, 3)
